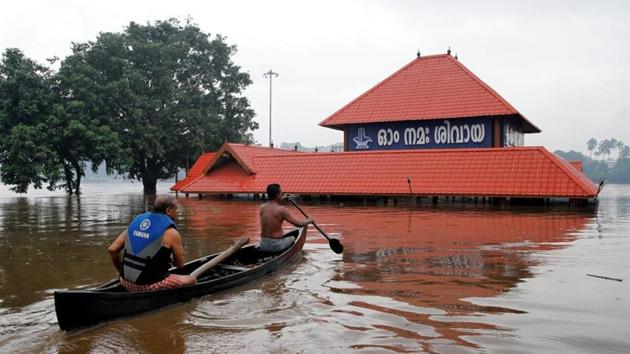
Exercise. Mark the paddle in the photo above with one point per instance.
(335, 245)
(220, 258)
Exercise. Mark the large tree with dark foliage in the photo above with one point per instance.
(25, 104)
(45, 138)
(168, 89)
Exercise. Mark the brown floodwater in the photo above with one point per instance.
(452, 278)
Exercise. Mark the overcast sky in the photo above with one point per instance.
(565, 65)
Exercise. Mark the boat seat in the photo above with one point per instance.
(233, 267)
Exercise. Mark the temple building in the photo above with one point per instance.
(431, 129)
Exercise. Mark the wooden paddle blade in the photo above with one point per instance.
(335, 245)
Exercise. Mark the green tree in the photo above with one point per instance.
(45, 139)
(168, 89)
(25, 104)
(619, 145)
(605, 147)
(624, 153)
(592, 145)
(595, 170)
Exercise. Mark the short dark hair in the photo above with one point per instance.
(273, 190)
(164, 202)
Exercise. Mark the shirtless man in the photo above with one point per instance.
(272, 215)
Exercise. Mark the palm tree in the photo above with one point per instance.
(604, 148)
(592, 144)
(619, 146)
(624, 153)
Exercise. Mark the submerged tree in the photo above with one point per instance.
(45, 139)
(25, 107)
(169, 90)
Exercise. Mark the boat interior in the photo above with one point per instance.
(244, 259)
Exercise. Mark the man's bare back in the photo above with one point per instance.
(272, 215)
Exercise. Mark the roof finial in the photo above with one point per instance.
(455, 56)
(448, 52)
(418, 54)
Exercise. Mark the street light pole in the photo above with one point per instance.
(270, 74)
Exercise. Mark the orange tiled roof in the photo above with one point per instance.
(430, 87)
(514, 172)
(577, 164)
(247, 153)
(243, 154)
(197, 169)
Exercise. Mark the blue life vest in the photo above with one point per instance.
(145, 260)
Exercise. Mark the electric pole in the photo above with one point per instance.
(270, 74)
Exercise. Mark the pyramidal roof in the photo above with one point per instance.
(429, 87)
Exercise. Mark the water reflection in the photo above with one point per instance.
(410, 279)
(56, 242)
(437, 258)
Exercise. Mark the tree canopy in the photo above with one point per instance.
(143, 102)
(24, 105)
(600, 170)
(45, 139)
(169, 90)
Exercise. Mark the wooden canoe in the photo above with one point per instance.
(82, 308)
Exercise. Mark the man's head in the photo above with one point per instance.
(274, 191)
(166, 204)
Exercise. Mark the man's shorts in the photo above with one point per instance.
(275, 244)
(170, 282)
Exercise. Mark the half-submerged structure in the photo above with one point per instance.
(431, 129)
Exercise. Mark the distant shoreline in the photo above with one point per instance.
(89, 187)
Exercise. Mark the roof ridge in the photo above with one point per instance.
(191, 177)
(555, 159)
(191, 181)
(226, 147)
(495, 94)
(379, 84)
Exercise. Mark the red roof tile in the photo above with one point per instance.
(578, 165)
(515, 172)
(197, 169)
(243, 154)
(430, 87)
(247, 153)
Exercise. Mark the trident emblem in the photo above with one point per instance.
(362, 140)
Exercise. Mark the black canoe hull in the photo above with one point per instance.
(81, 308)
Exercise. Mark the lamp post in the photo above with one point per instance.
(270, 74)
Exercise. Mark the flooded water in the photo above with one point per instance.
(452, 278)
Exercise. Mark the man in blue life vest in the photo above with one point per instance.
(150, 243)
(272, 215)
